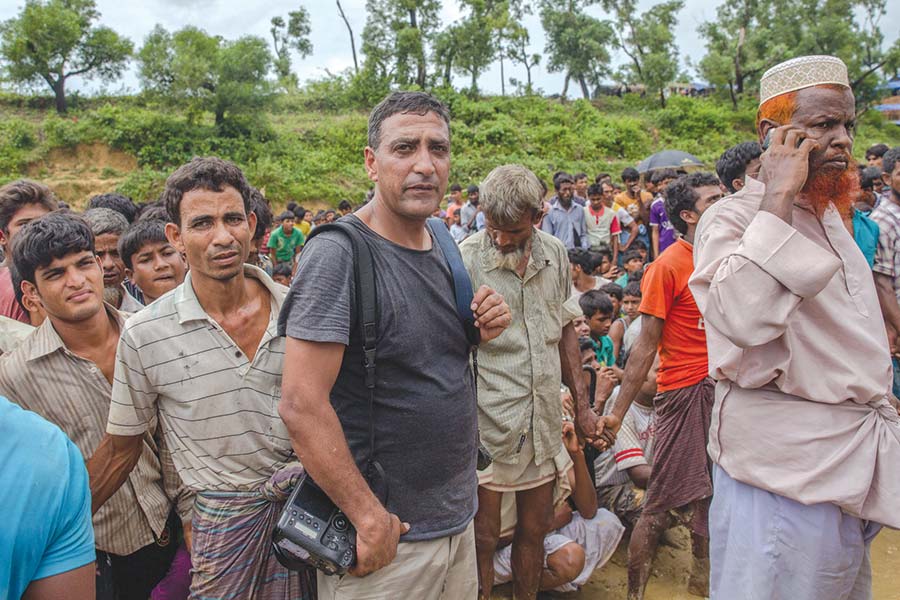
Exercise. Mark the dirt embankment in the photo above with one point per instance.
(75, 174)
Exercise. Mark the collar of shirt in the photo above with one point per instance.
(47, 341)
(537, 260)
(572, 207)
(189, 308)
(596, 214)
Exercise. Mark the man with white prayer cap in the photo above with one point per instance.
(805, 435)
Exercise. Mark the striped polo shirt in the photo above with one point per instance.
(218, 410)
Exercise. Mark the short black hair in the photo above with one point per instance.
(639, 245)
(155, 210)
(204, 173)
(602, 252)
(868, 176)
(291, 206)
(281, 268)
(260, 207)
(878, 150)
(562, 178)
(585, 343)
(286, 215)
(402, 103)
(455, 188)
(588, 261)
(682, 195)
(633, 289)
(22, 192)
(630, 174)
(614, 290)
(579, 176)
(890, 160)
(661, 175)
(17, 284)
(601, 177)
(140, 233)
(595, 189)
(595, 301)
(117, 202)
(54, 235)
(631, 254)
(344, 205)
(733, 162)
(472, 189)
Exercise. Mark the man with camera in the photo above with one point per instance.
(423, 412)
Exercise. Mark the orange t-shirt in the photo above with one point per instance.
(665, 294)
(624, 200)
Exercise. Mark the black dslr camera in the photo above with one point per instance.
(312, 531)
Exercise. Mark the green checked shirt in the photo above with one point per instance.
(519, 371)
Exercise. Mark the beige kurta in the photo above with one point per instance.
(798, 346)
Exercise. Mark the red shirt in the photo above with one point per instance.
(8, 305)
(683, 360)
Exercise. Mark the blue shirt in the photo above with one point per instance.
(565, 225)
(45, 501)
(865, 234)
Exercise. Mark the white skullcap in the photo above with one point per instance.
(802, 72)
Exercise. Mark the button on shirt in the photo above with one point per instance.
(519, 371)
(218, 411)
(565, 224)
(798, 346)
(43, 376)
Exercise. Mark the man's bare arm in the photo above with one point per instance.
(890, 309)
(77, 584)
(632, 235)
(110, 465)
(318, 439)
(639, 363)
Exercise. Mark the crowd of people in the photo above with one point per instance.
(711, 350)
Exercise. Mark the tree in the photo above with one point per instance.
(54, 40)
(477, 38)
(352, 39)
(293, 35)
(396, 37)
(517, 51)
(577, 44)
(200, 71)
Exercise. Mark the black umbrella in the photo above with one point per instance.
(668, 159)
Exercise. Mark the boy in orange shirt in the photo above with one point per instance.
(672, 325)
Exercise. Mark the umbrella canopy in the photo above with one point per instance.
(668, 159)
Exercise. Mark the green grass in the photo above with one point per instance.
(305, 149)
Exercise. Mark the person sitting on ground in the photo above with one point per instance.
(598, 309)
(286, 240)
(282, 274)
(151, 262)
(583, 263)
(737, 163)
(622, 473)
(108, 226)
(582, 538)
(633, 267)
(606, 269)
(631, 303)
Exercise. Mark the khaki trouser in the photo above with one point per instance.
(441, 569)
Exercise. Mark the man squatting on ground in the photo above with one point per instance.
(805, 441)
(519, 411)
(421, 544)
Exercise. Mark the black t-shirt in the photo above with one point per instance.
(425, 412)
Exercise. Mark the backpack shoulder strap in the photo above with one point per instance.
(462, 285)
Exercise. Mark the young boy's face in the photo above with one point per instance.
(157, 267)
(282, 279)
(582, 329)
(605, 264)
(643, 253)
(630, 305)
(589, 357)
(599, 324)
(634, 265)
(617, 304)
(287, 225)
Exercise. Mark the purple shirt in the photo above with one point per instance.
(659, 218)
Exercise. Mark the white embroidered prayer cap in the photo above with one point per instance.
(802, 72)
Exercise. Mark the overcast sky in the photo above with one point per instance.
(331, 46)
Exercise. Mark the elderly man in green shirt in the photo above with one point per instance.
(286, 240)
(519, 409)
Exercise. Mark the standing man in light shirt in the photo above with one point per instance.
(204, 361)
(565, 220)
(805, 441)
(518, 381)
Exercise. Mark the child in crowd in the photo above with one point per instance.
(620, 323)
(281, 273)
(583, 265)
(606, 269)
(631, 302)
(286, 240)
(457, 231)
(151, 262)
(598, 309)
(634, 267)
